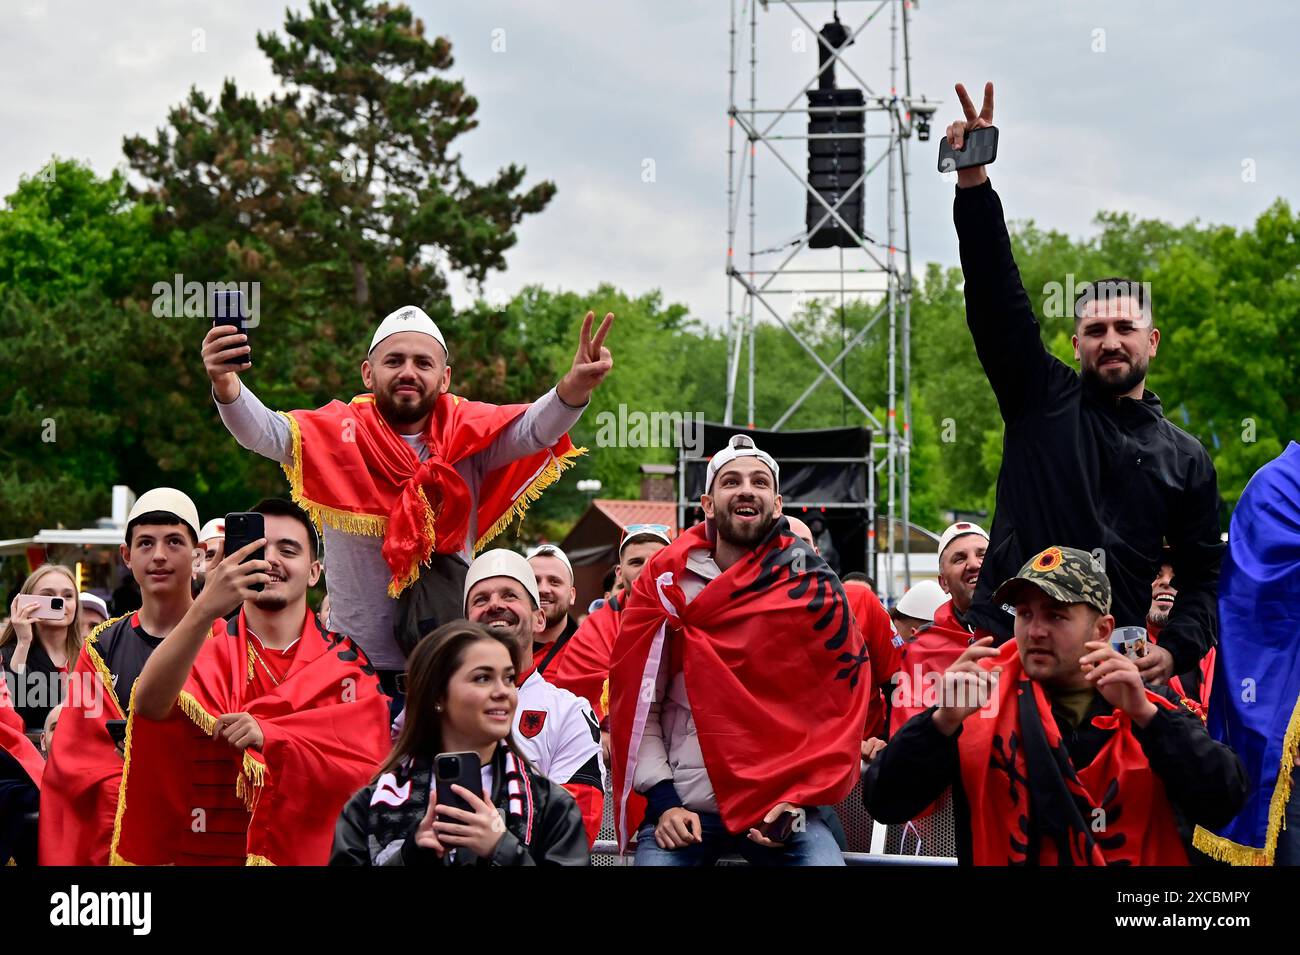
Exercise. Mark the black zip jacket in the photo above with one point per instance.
(1204, 779)
(1080, 468)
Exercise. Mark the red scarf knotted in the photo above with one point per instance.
(350, 469)
(326, 730)
(1029, 805)
(775, 668)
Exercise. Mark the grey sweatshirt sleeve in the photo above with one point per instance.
(544, 423)
(256, 427)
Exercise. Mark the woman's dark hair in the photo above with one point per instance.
(429, 670)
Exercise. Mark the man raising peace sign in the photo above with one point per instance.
(408, 479)
(1089, 460)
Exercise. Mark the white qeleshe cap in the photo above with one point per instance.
(170, 500)
(550, 550)
(740, 446)
(922, 600)
(94, 602)
(502, 563)
(960, 529)
(408, 318)
(213, 528)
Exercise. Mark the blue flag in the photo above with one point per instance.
(1255, 703)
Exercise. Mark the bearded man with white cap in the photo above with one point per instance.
(738, 685)
(556, 730)
(79, 800)
(408, 480)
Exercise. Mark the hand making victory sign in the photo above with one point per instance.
(591, 363)
(956, 133)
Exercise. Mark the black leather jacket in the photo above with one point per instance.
(558, 836)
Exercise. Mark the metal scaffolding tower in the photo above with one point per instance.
(879, 268)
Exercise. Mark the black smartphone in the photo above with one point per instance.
(979, 149)
(780, 828)
(457, 769)
(117, 730)
(228, 308)
(242, 528)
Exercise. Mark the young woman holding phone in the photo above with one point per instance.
(460, 699)
(40, 643)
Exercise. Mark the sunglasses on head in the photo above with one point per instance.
(633, 529)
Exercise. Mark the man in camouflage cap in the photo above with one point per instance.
(1067, 735)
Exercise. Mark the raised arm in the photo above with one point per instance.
(1007, 337)
(168, 667)
(252, 424)
(555, 412)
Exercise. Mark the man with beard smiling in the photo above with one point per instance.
(1089, 459)
(555, 589)
(556, 730)
(409, 480)
(771, 724)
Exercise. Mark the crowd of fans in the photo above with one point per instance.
(449, 704)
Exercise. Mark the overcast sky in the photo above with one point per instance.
(1157, 122)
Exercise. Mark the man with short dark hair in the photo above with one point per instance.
(1056, 751)
(1089, 459)
(85, 766)
(291, 718)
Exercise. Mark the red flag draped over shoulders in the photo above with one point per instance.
(583, 666)
(351, 470)
(326, 730)
(82, 777)
(774, 667)
(14, 741)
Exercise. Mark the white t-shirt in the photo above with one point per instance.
(556, 730)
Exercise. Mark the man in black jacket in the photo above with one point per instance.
(1055, 749)
(1089, 460)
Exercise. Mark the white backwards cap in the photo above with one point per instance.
(740, 446)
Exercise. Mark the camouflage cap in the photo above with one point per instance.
(1063, 573)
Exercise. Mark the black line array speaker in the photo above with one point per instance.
(834, 165)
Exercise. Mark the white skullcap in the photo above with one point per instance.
(408, 318)
(960, 529)
(170, 500)
(740, 446)
(922, 601)
(213, 528)
(94, 602)
(550, 550)
(500, 562)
